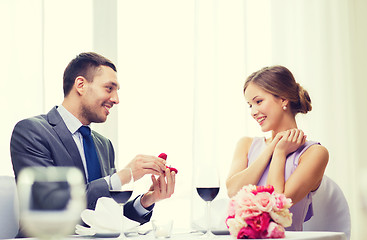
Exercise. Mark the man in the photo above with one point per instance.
(56, 139)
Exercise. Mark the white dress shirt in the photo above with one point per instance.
(73, 124)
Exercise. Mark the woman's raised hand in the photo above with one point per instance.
(290, 140)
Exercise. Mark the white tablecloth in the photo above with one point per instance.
(316, 235)
(289, 235)
(193, 236)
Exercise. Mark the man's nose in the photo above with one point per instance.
(115, 98)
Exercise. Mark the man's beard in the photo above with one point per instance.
(89, 113)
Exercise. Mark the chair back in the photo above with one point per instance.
(330, 209)
(9, 208)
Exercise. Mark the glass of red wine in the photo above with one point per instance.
(51, 200)
(122, 194)
(207, 186)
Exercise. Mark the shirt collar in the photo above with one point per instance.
(71, 122)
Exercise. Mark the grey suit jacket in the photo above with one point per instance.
(44, 140)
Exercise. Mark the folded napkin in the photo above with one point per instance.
(105, 219)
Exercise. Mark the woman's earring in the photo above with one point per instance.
(284, 107)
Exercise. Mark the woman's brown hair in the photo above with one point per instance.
(279, 81)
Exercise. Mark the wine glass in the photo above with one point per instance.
(122, 194)
(207, 186)
(51, 200)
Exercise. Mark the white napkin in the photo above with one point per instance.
(105, 219)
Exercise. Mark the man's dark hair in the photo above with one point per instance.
(85, 65)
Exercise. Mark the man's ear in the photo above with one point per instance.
(80, 84)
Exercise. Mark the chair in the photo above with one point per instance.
(330, 208)
(9, 211)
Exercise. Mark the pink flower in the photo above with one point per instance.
(249, 188)
(245, 198)
(283, 218)
(235, 225)
(259, 189)
(258, 212)
(229, 217)
(264, 201)
(281, 202)
(259, 223)
(275, 231)
(232, 207)
(248, 213)
(247, 233)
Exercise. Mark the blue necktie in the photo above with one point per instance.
(93, 167)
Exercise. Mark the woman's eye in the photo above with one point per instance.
(258, 101)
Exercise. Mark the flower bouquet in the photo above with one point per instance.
(258, 212)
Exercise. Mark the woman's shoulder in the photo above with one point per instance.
(247, 143)
(314, 146)
(244, 143)
(245, 140)
(316, 151)
(249, 140)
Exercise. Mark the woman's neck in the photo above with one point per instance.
(288, 125)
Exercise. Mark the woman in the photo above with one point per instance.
(286, 160)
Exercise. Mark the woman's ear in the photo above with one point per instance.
(285, 102)
(80, 84)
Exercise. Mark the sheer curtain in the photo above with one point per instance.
(36, 46)
(21, 69)
(321, 43)
(317, 41)
(156, 72)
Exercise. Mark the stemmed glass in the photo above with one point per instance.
(51, 200)
(123, 194)
(207, 185)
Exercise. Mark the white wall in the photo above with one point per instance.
(21, 81)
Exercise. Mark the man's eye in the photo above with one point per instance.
(109, 89)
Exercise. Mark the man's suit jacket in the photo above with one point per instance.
(44, 140)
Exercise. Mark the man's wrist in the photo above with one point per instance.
(142, 211)
(147, 200)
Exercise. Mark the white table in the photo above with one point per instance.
(316, 235)
(193, 236)
(289, 235)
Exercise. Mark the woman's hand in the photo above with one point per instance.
(289, 141)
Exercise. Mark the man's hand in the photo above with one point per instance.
(146, 164)
(162, 188)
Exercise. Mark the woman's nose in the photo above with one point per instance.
(254, 112)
